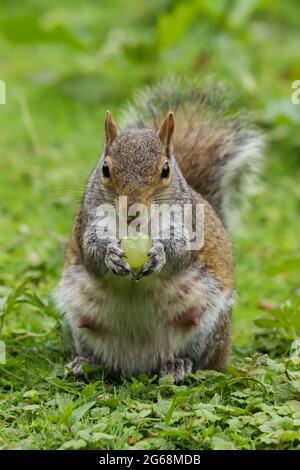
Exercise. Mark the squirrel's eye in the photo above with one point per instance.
(165, 171)
(105, 169)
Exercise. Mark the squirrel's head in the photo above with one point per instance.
(137, 163)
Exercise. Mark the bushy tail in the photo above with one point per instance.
(216, 149)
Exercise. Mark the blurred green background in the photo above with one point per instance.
(65, 63)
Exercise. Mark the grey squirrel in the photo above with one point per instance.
(174, 316)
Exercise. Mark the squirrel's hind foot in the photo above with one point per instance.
(77, 365)
(179, 368)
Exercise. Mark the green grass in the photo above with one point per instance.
(64, 65)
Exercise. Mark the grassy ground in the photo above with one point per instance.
(64, 65)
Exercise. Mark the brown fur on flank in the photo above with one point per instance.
(216, 252)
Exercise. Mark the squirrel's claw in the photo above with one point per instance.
(115, 263)
(155, 262)
(77, 365)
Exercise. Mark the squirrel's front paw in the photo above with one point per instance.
(115, 263)
(156, 261)
(179, 368)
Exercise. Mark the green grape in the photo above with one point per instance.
(136, 249)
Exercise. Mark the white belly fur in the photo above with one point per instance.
(138, 316)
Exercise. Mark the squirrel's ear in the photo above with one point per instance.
(111, 131)
(166, 130)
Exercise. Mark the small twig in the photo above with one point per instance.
(27, 119)
(34, 335)
(286, 371)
